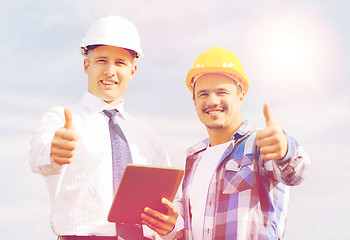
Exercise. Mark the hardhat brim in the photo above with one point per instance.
(243, 81)
(113, 31)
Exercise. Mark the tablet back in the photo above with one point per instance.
(143, 186)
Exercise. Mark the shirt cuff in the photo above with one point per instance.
(51, 169)
(290, 150)
(284, 163)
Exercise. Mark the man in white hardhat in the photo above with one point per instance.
(74, 148)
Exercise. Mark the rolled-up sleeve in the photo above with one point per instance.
(293, 168)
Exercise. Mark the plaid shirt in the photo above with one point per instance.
(247, 197)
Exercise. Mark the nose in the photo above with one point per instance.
(213, 99)
(109, 71)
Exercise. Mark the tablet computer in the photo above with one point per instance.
(143, 186)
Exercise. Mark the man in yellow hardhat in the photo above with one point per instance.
(236, 181)
(82, 150)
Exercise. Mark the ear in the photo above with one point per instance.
(86, 65)
(133, 69)
(241, 95)
(194, 102)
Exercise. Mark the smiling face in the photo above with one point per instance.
(109, 71)
(217, 100)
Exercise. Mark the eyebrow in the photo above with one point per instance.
(214, 90)
(220, 89)
(117, 59)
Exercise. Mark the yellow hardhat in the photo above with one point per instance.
(218, 60)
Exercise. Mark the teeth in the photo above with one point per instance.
(214, 111)
(108, 82)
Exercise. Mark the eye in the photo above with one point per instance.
(120, 63)
(220, 93)
(101, 61)
(202, 95)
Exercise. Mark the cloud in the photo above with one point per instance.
(41, 67)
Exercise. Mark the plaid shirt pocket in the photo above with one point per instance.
(239, 175)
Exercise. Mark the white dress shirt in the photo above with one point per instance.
(81, 193)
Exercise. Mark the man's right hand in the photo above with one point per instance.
(64, 142)
(159, 222)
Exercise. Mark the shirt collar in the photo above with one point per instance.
(95, 105)
(244, 129)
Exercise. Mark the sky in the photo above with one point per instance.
(295, 54)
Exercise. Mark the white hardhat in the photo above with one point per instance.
(112, 31)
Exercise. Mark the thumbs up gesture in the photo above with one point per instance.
(271, 140)
(65, 141)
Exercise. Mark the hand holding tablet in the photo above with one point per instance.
(144, 186)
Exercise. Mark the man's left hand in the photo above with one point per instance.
(271, 140)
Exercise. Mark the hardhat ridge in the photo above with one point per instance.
(112, 31)
(217, 60)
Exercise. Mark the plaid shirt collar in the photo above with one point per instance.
(244, 129)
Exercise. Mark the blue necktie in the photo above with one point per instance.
(121, 157)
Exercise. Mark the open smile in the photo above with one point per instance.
(108, 82)
(214, 111)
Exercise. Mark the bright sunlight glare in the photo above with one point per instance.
(293, 54)
(287, 52)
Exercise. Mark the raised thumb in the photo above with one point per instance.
(69, 119)
(267, 114)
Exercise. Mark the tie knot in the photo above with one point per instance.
(110, 113)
